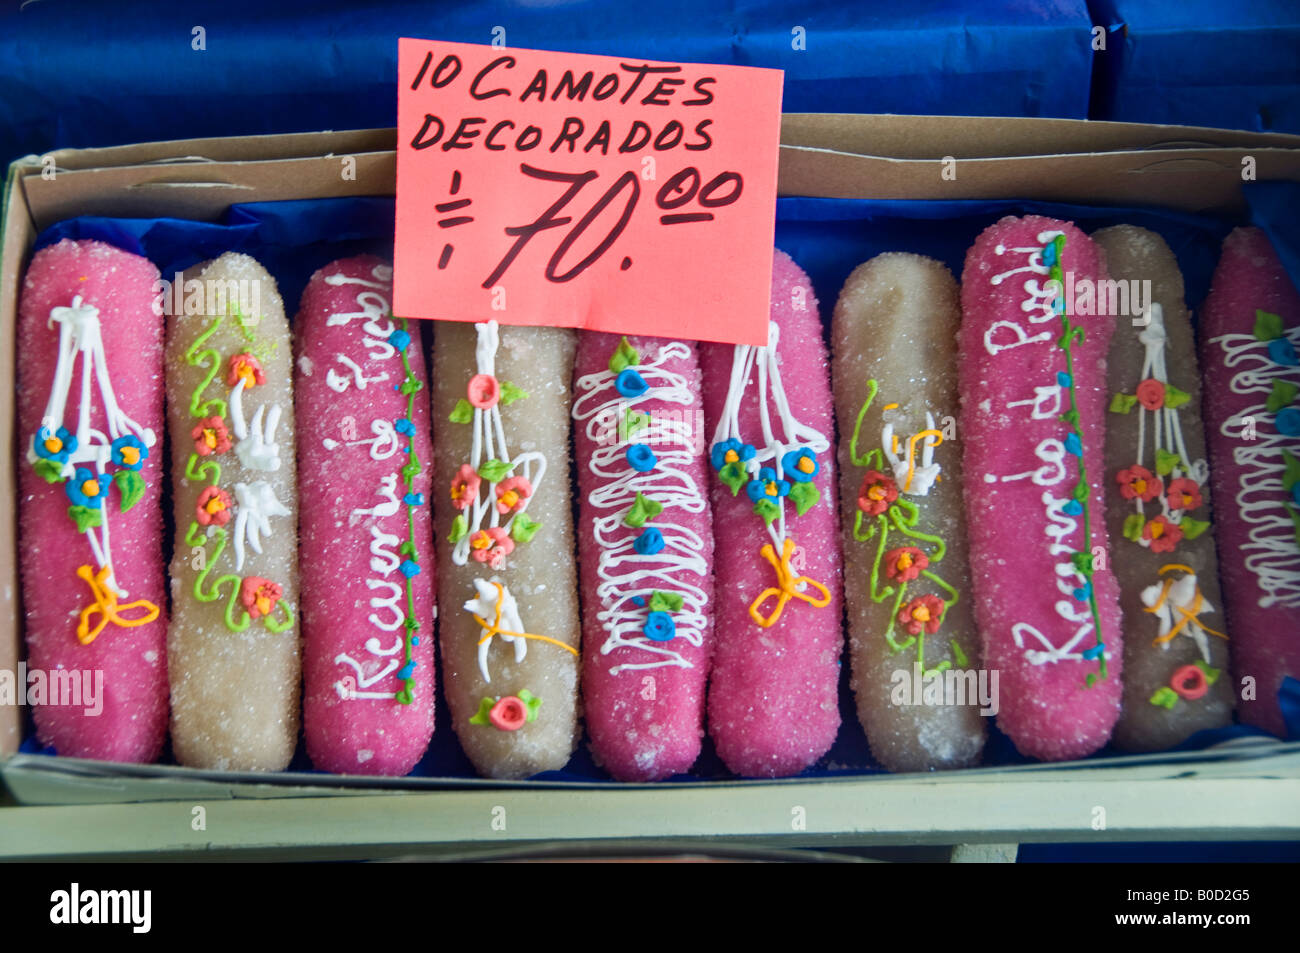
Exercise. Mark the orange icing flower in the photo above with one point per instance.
(1151, 394)
(464, 488)
(491, 546)
(923, 612)
(1138, 483)
(1163, 534)
(1184, 494)
(213, 507)
(484, 391)
(246, 367)
(259, 596)
(877, 492)
(210, 436)
(511, 493)
(905, 563)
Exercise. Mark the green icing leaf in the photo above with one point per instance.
(804, 495)
(51, 470)
(85, 517)
(522, 529)
(484, 707)
(633, 420)
(734, 475)
(1290, 476)
(131, 485)
(531, 701)
(1083, 561)
(767, 509)
(1133, 527)
(642, 509)
(1166, 461)
(494, 471)
(1193, 528)
(624, 356)
(459, 529)
(1211, 673)
(1165, 697)
(1081, 492)
(1122, 403)
(462, 413)
(1283, 393)
(666, 601)
(1267, 326)
(511, 393)
(958, 654)
(408, 549)
(1175, 397)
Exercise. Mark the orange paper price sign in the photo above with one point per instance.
(596, 192)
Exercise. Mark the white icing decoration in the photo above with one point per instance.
(383, 444)
(1182, 595)
(392, 502)
(257, 504)
(1272, 554)
(484, 606)
(383, 560)
(391, 602)
(1052, 452)
(258, 451)
(923, 474)
(624, 573)
(489, 443)
(80, 334)
(340, 383)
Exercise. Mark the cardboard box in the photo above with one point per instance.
(1247, 790)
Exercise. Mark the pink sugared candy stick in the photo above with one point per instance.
(95, 600)
(1250, 335)
(366, 559)
(1033, 404)
(773, 703)
(645, 552)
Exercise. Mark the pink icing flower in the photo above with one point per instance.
(464, 488)
(877, 492)
(905, 563)
(211, 436)
(511, 494)
(213, 508)
(259, 596)
(1151, 394)
(1163, 534)
(246, 367)
(484, 391)
(1138, 483)
(1184, 494)
(491, 546)
(923, 612)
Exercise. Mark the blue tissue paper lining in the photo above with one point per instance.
(827, 237)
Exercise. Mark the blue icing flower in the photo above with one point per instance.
(1063, 378)
(1073, 508)
(1083, 592)
(800, 465)
(630, 383)
(413, 499)
(399, 339)
(638, 601)
(1049, 254)
(650, 542)
(1094, 652)
(405, 426)
(1288, 421)
(409, 568)
(407, 670)
(1072, 445)
(767, 486)
(641, 458)
(54, 446)
(730, 451)
(86, 489)
(129, 452)
(659, 627)
(1283, 352)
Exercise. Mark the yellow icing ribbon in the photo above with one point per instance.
(911, 452)
(106, 605)
(494, 627)
(1188, 615)
(786, 587)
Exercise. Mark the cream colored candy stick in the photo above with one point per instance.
(1158, 505)
(906, 583)
(232, 647)
(507, 585)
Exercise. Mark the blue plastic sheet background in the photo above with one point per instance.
(827, 237)
(1200, 63)
(75, 73)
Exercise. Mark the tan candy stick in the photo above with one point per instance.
(232, 646)
(507, 586)
(906, 582)
(1158, 506)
